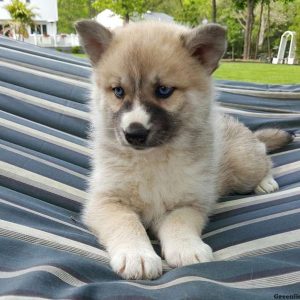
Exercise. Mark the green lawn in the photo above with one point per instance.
(254, 72)
(80, 55)
(258, 72)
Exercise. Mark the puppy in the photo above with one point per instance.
(162, 153)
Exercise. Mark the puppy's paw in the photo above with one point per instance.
(187, 252)
(267, 185)
(137, 264)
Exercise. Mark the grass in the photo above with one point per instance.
(258, 72)
(254, 72)
(81, 55)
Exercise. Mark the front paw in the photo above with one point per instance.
(180, 253)
(136, 263)
(266, 186)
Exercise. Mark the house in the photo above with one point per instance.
(45, 21)
(157, 16)
(109, 19)
(44, 32)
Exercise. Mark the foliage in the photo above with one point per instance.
(76, 50)
(124, 8)
(169, 7)
(22, 16)
(228, 16)
(184, 11)
(282, 18)
(275, 20)
(192, 12)
(295, 26)
(284, 15)
(70, 11)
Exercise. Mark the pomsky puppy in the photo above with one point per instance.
(162, 152)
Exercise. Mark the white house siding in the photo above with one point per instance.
(4, 15)
(47, 15)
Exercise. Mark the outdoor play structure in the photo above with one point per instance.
(291, 58)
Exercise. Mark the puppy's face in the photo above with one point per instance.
(152, 80)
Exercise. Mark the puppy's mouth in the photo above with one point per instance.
(140, 140)
(140, 148)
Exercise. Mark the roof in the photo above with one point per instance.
(109, 19)
(158, 16)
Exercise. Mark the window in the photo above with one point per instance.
(38, 29)
(44, 29)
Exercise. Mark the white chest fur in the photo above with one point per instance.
(157, 182)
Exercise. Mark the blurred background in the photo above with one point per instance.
(263, 35)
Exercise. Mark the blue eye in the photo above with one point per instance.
(164, 91)
(119, 92)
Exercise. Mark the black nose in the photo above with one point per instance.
(136, 134)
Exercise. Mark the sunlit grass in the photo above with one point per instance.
(254, 72)
(81, 55)
(259, 72)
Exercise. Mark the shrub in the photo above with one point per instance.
(76, 49)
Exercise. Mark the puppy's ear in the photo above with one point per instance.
(207, 43)
(94, 38)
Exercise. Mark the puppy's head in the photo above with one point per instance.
(152, 80)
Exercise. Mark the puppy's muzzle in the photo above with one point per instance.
(136, 134)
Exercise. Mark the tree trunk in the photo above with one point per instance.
(259, 28)
(214, 11)
(126, 20)
(91, 9)
(268, 34)
(262, 31)
(249, 27)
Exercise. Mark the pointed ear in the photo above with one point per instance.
(94, 38)
(207, 43)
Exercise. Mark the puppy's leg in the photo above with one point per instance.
(179, 233)
(267, 185)
(245, 163)
(125, 238)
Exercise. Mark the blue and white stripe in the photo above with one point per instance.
(45, 250)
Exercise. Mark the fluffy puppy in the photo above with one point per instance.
(162, 153)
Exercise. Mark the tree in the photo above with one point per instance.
(249, 5)
(214, 11)
(259, 28)
(189, 12)
(124, 8)
(22, 16)
(91, 9)
(169, 7)
(277, 20)
(192, 12)
(295, 26)
(233, 20)
(70, 11)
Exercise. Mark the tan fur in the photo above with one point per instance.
(244, 162)
(274, 138)
(138, 43)
(171, 188)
